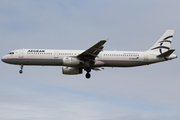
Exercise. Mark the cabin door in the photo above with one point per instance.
(21, 53)
(146, 56)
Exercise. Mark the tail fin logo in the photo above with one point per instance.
(165, 39)
(161, 44)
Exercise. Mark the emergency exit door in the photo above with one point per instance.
(56, 54)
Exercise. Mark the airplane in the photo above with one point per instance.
(94, 58)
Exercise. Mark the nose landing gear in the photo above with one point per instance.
(21, 71)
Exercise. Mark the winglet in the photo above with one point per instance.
(103, 41)
(107, 39)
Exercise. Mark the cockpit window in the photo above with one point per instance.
(11, 53)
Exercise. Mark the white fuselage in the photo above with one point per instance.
(75, 61)
(47, 57)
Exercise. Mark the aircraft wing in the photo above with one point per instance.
(92, 53)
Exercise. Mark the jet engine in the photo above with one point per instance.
(70, 61)
(71, 70)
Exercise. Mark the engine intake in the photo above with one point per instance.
(71, 70)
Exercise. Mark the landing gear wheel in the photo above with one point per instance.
(88, 75)
(20, 71)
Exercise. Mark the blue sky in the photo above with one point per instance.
(40, 93)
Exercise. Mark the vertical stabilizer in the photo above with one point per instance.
(164, 42)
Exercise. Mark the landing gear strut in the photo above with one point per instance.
(88, 75)
(21, 71)
(88, 69)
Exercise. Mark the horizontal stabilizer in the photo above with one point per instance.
(167, 53)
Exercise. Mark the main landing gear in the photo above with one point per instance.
(88, 75)
(21, 71)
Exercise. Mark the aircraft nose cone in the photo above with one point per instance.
(4, 58)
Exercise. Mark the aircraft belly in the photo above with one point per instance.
(24, 61)
(123, 63)
(44, 62)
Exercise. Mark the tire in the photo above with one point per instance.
(88, 75)
(20, 71)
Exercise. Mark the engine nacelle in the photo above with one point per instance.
(70, 61)
(71, 70)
